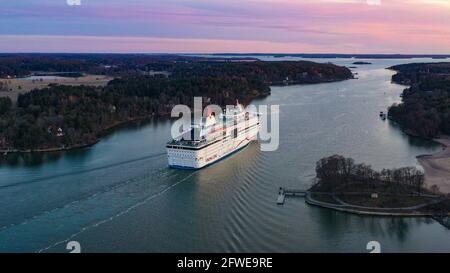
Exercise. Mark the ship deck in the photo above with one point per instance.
(184, 144)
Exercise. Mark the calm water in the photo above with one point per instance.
(120, 196)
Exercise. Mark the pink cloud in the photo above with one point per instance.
(394, 26)
(45, 43)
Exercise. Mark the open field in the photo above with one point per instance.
(14, 87)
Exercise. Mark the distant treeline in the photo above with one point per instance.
(19, 65)
(336, 172)
(334, 55)
(68, 116)
(425, 107)
(120, 65)
(265, 72)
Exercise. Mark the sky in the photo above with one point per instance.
(233, 26)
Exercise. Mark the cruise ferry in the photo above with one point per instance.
(213, 138)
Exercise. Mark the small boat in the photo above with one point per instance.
(5, 153)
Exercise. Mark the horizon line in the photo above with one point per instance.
(231, 53)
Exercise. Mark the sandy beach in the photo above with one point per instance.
(437, 166)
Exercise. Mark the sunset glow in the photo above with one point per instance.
(284, 26)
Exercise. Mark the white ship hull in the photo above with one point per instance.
(232, 140)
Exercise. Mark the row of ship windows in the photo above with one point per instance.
(226, 148)
(187, 159)
(192, 155)
(183, 154)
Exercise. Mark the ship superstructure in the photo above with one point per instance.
(213, 138)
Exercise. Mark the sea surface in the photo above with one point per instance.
(120, 196)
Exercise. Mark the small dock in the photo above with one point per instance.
(283, 192)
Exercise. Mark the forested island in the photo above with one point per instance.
(63, 117)
(425, 107)
(362, 63)
(357, 188)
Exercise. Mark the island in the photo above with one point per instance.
(343, 185)
(425, 112)
(362, 63)
(66, 116)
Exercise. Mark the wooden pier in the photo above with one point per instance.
(283, 192)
